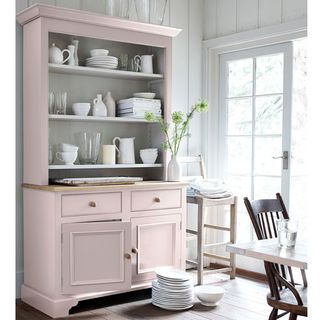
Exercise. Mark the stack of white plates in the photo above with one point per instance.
(102, 61)
(173, 290)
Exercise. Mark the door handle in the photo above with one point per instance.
(285, 160)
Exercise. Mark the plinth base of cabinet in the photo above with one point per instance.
(60, 307)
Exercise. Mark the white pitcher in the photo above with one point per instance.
(145, 63)
(56, 55)
(125, 150)
(99, 108)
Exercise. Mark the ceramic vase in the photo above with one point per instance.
(174, 171)
(76, 46)
(71, 61)
(99, 108)
(110, 104)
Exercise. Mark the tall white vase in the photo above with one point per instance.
(174, 171)
(76, 46)
(110, 104)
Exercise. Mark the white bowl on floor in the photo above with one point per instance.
(209, 295)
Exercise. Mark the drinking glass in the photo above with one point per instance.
(118, 8)
(89, 146)
(51, 102)
(287, 232)
(123, 61)
(60, 104)
(151, 11)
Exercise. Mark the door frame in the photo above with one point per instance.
(287, 49)
(212, 49)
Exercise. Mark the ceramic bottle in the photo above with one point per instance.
(71, 61)
(110, 104)
(76, 46)
(99, 108)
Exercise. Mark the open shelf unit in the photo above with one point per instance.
(100, 72)
(58, 117)
(105, 166)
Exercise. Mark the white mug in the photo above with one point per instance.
(109, 154)
(145, 63)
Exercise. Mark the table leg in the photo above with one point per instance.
(201, 210)
(233, 228)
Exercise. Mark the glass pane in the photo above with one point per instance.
(239, 155)
(240, 116)
(240, 186)
(266, 187)
(269, 74)
(243, 228)
(269, 115)
(240, 74)
(265, 149)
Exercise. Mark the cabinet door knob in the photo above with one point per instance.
(92, 204)
(157, 199)
(134, 250)
(127, 256)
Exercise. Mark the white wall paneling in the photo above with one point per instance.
(209, 19)
(98, 6)
(72, 4)
(226, 17)
(269, 12)
(247, 14)
(31, 2)
(294, 9)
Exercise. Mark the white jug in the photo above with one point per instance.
(125, 150)
(99, 108)
(145, 63)
(56, 55)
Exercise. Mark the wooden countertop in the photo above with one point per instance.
(137, 185)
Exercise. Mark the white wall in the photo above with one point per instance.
(224, 17)
(185, 14)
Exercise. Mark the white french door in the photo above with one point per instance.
(255, 124)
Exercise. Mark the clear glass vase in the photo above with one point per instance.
(118, 8)
(89, 146)
(151, 11)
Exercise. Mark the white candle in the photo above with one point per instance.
(108, 154)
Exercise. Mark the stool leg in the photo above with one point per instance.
(233, 226)
(200, 242)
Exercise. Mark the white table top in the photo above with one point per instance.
(269, 250)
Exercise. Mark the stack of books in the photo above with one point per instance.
(137, 107)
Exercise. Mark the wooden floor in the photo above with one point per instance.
(244, 300)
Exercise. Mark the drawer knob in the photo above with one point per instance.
(92, 204)
(134, 250)
(157, 199)
(127, 256)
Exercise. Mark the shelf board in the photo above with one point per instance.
(59, 117)
(100, 72)
(104, 166)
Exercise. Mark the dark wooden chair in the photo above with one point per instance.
(285, 294)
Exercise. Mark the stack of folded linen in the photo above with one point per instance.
(209, 188)
(137, 107)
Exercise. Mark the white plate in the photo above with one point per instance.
(172, 274)
(104, 67)
(171, 308)
(145, 95)
(105, 58)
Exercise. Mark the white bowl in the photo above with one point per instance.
(81, 108)
(148, 158)
(149, 151)
(66, 147)
(67, 158)
(209, 295)
(99, 52)
(145, 95)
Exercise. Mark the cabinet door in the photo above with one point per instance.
(96, 257)
(157, 243)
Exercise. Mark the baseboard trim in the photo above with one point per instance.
(19, 282)
(243, 272)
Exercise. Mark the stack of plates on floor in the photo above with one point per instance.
(173, 290)
(102, 61)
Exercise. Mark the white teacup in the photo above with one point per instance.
(66, 157)
(66, 147)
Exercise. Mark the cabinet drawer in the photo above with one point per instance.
(156, 200)
(91, 203)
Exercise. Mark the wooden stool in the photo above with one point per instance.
(202, 205)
